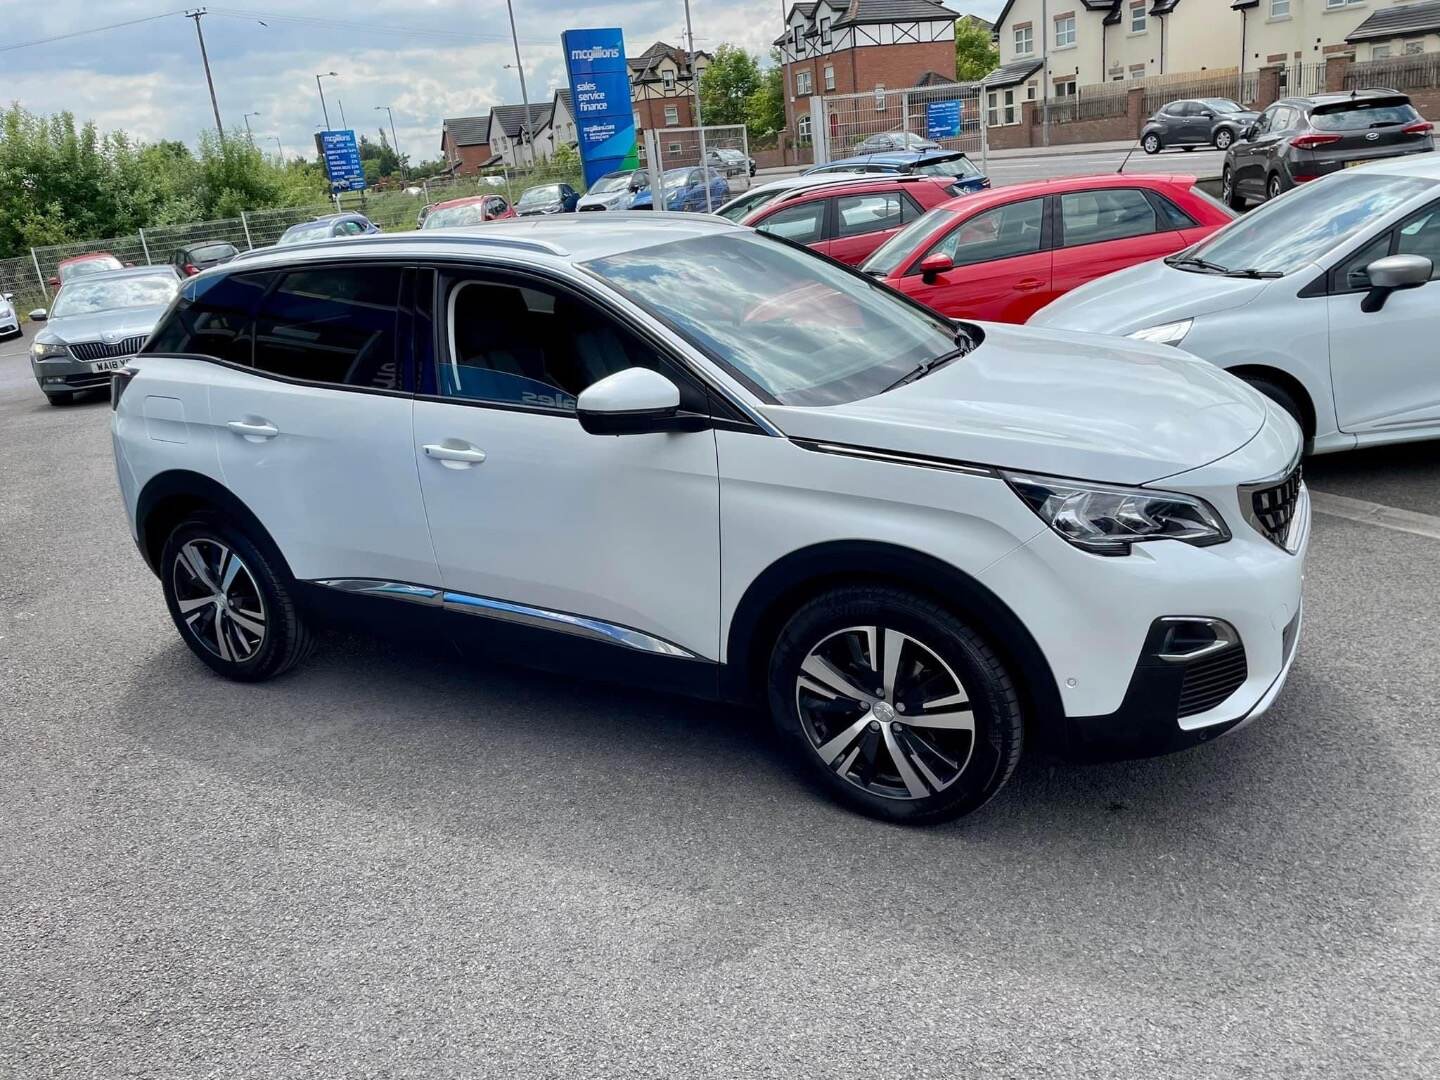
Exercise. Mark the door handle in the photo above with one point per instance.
(452, 456)
(1028, 285)
(254, 430)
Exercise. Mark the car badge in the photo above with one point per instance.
(110, 337)
(1371, 136)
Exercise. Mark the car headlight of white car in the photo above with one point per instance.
(1107, 519)
(1170, 333)
(43, 350)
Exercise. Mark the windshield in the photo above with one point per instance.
(897, 249)
(88, 297)
(676, 178)
(957, 167)
(1287, 234)
(89, 266)
(1362, 116)
(214, 251)
(610, 182)
(1221, 105)
(320, 230)
(537, 195)
(740, 208)
(796, 328)
(468, 214)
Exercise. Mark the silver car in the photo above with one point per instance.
(96, 324)
(9, 317)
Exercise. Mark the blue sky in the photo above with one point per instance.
(427, 59)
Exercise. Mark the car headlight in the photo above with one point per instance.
(43, 350)
(1170, 333)
(1107, 519)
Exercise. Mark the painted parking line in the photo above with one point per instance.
(1369, 513)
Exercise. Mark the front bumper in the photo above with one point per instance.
(10, 324)
(63, 375)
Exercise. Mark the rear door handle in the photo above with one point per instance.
(253, 430)
(454, 454)
(1028, 284)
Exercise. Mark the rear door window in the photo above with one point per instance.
(1092, 217)
(332, 324)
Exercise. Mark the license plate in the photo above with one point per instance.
(1352, 164)
(109, 365)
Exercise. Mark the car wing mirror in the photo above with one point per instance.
(1248, 131)
(933, 265)
(1391, 274)
(636, 401)
(38, 315)
(7, 297)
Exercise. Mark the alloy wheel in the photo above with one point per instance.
(885, 712)
(1152, 144)
(218, 600)
(1223, 139)
(1227, 187)
(1275, 189)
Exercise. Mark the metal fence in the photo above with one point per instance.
(723, 149)
(1230, 83)
(1420, 72)
(1101, 101)
(951, 114)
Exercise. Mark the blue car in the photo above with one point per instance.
(968, 179)
(685, 190)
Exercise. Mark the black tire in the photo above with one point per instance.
(1274, 187)
(1223, 138)
(266, 592)
(1281, 397)
(1228, 195)
(935, 650)
(64, 397)
(1150, 143)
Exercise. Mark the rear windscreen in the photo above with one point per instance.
(1359, 117)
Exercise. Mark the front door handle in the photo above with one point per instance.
(1028, 284)
(254, 429)
(454, 454)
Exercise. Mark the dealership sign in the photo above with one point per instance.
(342, 160)
(942, 119)
(600, 94)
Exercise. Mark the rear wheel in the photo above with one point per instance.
(893, 705)
(235, 612)
(1151, 143)
(1223, 138)
(1274, 187)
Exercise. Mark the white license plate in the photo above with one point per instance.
(109, 365)
(1352, 164)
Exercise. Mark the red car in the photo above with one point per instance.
(1003, 254)
(471, 210)
(849, 220)
(95, 263)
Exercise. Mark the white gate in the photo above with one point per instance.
(725, 150)
(951, 114)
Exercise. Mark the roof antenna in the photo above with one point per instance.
(1121, 169)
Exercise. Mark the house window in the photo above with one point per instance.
(672, 148)
(829, 76)
(802, 129)
(992, 110)
(1414, 48)
(672, 115)
(804, 83)
(1380, 52)
(1030, 91)
(1118, 76)
(1024, 40)
(1137, 71)
(1064, 31)
(638, 126)
(799, 41)
(1009, 106)
(1279, 9)
(824, 31)
(667, 78)
(1342, 3)
(1137, 18)
(1065, 87)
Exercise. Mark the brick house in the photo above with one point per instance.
(662, 86)
(860, 45)
(511, 142)
(464, 143)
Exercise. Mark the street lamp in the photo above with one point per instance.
(318, 86)
(246, 118)
(394, 142)
(281, 149)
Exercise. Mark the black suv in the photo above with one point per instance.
(189, 261)
(1193, 122)
(1303, 138)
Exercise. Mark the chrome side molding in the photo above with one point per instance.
(508, 611)
(895, 457)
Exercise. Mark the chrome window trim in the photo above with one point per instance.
(509, 611)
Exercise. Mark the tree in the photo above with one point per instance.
(765, 108)
(975, 55)
(726, 85)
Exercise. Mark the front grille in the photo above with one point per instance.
(89, 379)
(99, 350)
(1271, 508)
(1211, 679)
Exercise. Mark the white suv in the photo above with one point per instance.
(670, 449)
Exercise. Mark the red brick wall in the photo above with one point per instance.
(470, 156)
(652, 112)
(894, 67)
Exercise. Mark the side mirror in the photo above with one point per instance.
(7, 297)
(1247, 132)
(1391, 274)
(1207, 115)
(38, 315)
(934, 265)
(635, 401)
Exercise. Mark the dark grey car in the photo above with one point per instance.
(97, 323)
(1192, 122)
(1304, 138)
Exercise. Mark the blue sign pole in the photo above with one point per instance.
(342, 160)
(600, 92)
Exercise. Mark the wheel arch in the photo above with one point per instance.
(168, 498)
(1287, 382)
(795, 578)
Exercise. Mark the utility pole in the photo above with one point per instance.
(395, 143)
(343, 122)
(526, 135)
(318, 86)
(246, 118)
(281, 149)
(205, 59)
(695, 80)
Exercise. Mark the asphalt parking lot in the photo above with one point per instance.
(391, 863)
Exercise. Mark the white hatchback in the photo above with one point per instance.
(1325, 300)
(668, 449)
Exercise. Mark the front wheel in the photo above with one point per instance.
(1282, 397)
(1228, 195)
(1151, 143)
(232, 607)
(894, 706)
(1223, 138)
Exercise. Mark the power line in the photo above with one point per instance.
(327, 23)
(89, 30)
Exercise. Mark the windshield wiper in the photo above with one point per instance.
(920, 370)
(1199, 264)
(1254, 273)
